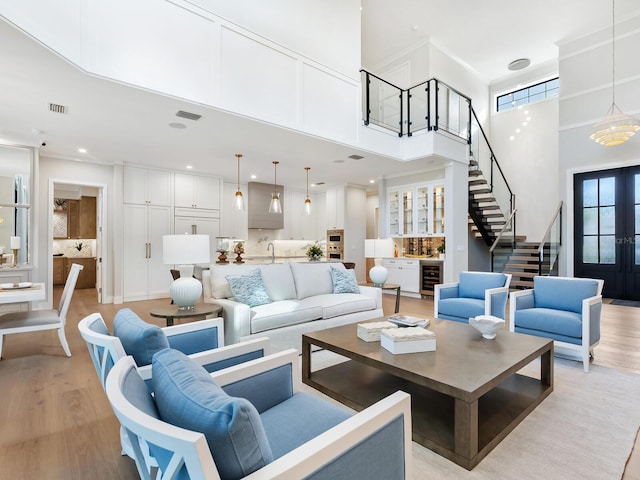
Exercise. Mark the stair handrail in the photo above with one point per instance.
(557, 214)
(494, 159)
(503, 230)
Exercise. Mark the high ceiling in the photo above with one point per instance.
(116, 123)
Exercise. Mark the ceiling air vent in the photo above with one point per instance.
(188, 115)
(55, 108)
(355, 157)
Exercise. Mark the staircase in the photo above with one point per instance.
(523, 264)
(485, 217)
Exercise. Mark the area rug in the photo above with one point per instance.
(625, 303)
(584, 430)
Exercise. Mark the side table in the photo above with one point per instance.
(171, 313)
(388, 286)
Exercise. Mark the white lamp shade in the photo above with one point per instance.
(14, 243)
(185, 249)
(378, 248)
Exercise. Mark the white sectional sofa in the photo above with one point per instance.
(301, 300)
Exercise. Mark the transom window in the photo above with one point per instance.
(533, 93)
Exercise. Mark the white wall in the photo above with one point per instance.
(585, 96)
(530, 162)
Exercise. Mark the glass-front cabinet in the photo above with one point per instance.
(416, 210)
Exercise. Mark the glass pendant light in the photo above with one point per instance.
(274, 206)
(307, 201)
(239, 200)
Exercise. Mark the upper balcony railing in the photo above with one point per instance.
(431, 105)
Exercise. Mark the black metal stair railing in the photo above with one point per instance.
(430, 105)
(436, 106)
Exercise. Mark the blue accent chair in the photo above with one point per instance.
(255, 423)
(203, 341)
(476, 293)
(566, 310)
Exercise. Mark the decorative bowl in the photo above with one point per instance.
(487, 325)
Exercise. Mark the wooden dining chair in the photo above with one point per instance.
(36, 320)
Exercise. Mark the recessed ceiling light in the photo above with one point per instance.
(519, 64)
(177, 125)
(372, 181)
(254, 176)
(189, 167)
(312, 185)
(82, 150)
(511, 137)
(517, 130)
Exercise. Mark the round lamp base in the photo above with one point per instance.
(378, 275)
(185, 292)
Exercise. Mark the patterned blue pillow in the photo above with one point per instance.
(344, 281)
(249, 289)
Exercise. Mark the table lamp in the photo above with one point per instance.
(184, 251)
(378, 248)
(14, 243)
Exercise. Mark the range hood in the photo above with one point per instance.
(259, 199)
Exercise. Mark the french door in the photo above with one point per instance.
(607, 230)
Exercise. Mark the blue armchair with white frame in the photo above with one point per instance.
(476, 293)
(564, 309)
(203, 341)
(251, 421)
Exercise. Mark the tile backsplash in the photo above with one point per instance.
(75, 248)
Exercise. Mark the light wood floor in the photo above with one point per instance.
(56, 423)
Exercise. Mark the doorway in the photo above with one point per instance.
(607, 230)
(76, 235)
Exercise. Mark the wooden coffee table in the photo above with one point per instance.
(465, 397)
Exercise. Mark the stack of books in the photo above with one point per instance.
(408, 321)
(408, 340)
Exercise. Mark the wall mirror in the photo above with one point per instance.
(15, 201)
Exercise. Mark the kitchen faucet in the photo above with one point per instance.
(273, 252)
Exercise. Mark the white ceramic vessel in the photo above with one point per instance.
(488, 325)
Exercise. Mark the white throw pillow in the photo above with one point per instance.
(313, 278)
(278, 280)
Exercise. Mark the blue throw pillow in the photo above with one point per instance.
(249, 289)
(187, 396)
(344, 281)
(139, 338)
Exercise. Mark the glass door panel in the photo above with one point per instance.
(394, 214)
(407, 211)
(422, 210)
(438, 209)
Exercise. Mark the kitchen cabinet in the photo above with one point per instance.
(58, 271)
(297, 224)
(335, 209)
(80, 218)
(145, 276)
(404, 272)
(87, 276)
(415, 210)
(196, 191)
(144, 186)
(87, 215)
(186, 221)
